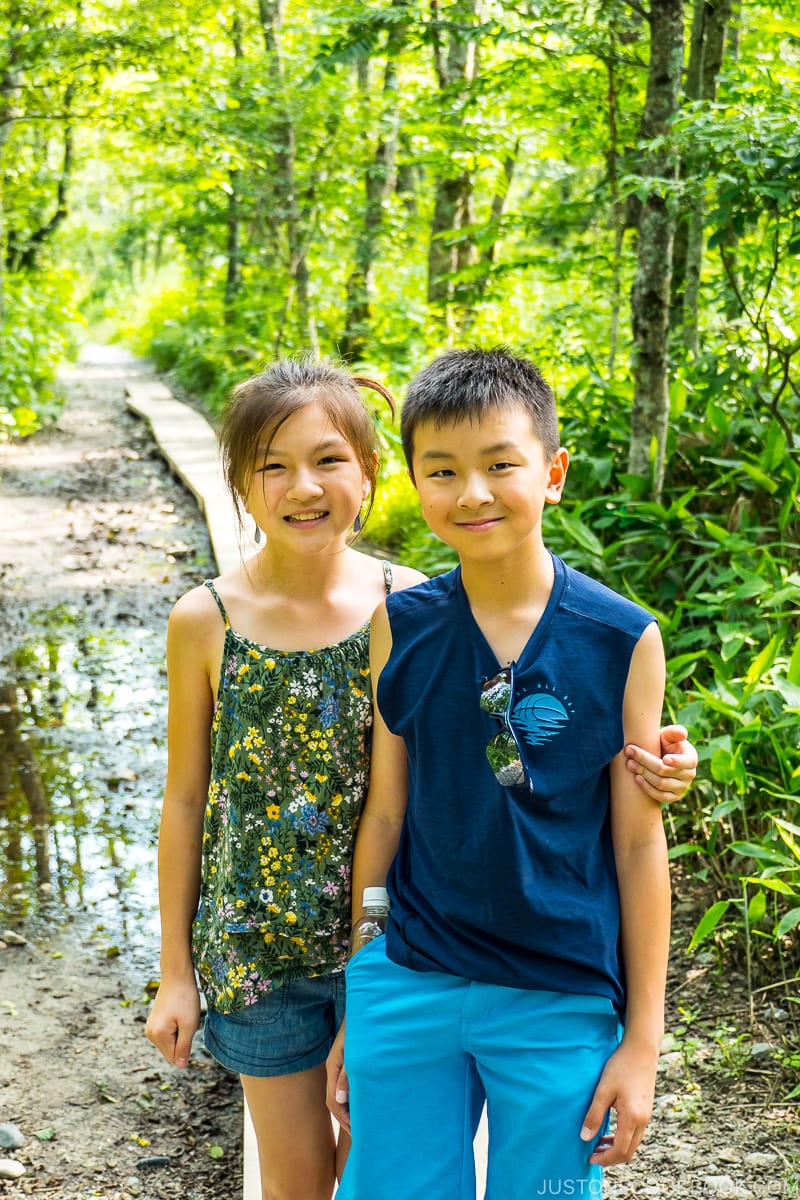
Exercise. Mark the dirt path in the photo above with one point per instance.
(96, 542)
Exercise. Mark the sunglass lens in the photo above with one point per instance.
(496, 694)
(505, 761)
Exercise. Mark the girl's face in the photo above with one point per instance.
(309, 486)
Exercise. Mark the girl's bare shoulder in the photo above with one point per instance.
(405, 577)
(195, 614)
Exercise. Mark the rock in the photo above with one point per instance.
(760, 1158)
(761, 1050)
(154, 1160)
(13, 939)
(671, 1064)
(685, 1156)
(773, 1013)
(11, 1137)
(728, 1155)
(10, 1168)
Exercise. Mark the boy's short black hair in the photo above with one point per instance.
(463, 385)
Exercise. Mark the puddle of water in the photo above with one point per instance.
(82, 765)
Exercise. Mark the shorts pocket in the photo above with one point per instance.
(266, 1011)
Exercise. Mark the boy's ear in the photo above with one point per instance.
(558, 474)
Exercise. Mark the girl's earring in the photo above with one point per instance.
(357, 523)
(257, 535)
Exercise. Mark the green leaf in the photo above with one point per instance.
(216, 1152)
(709, 922)
(788, 921)
(762, 663)
(685, 848)
(757, 907)
(793, 670)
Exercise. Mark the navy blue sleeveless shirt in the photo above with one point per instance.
(494, 883)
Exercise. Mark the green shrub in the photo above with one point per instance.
(37, 332)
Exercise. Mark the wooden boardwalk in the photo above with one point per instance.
(189, 445)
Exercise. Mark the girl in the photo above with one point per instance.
(269, 734)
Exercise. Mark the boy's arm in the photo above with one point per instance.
(378, 833)
(640, 851)
(175, 1014)
(666, 775)
(385, 806)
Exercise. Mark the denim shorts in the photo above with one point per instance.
(289, 1029)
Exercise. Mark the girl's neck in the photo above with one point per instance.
(301, 577)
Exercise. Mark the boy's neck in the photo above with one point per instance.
(508, 599)
(509, 583)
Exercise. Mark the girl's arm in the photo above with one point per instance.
(666, 775)
(175, 1014)
(640, 851)
(378, 832)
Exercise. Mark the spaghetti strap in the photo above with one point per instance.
(387, 575)
(210, 585)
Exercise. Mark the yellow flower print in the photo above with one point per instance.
(254, 759)
(292, 700)
(364, 671)
(298, 941)
(243, 775)
(243, 670)
(273, 908)
(255, 687)
(272, 852)
(254, 654)
(240, 903)
(291, 918)
(269, 938)
(321, 778)
(336, 800)
(269, 663)
(273, 812)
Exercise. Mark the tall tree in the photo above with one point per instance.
(709, 28)
(455, 41)
(651, 286)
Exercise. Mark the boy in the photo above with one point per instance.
(527, 871)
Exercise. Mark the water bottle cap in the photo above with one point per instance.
(375, 896)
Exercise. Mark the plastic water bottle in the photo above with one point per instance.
(372, 922)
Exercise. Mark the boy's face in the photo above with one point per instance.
(483, 485)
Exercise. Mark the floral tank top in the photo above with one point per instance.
(290, 743)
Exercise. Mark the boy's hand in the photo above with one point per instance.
(173, 1021)
(626, 1085)
(667, 778)
(338, 1094)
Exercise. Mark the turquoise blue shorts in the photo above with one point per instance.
(289, 1029)
(419, 1044)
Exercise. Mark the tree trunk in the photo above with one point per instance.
(377, 178)
(651, 286)
(456, 67)
(709, 24)
(288, 209)
(233, 249)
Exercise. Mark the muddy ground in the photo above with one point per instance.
(97, 540)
